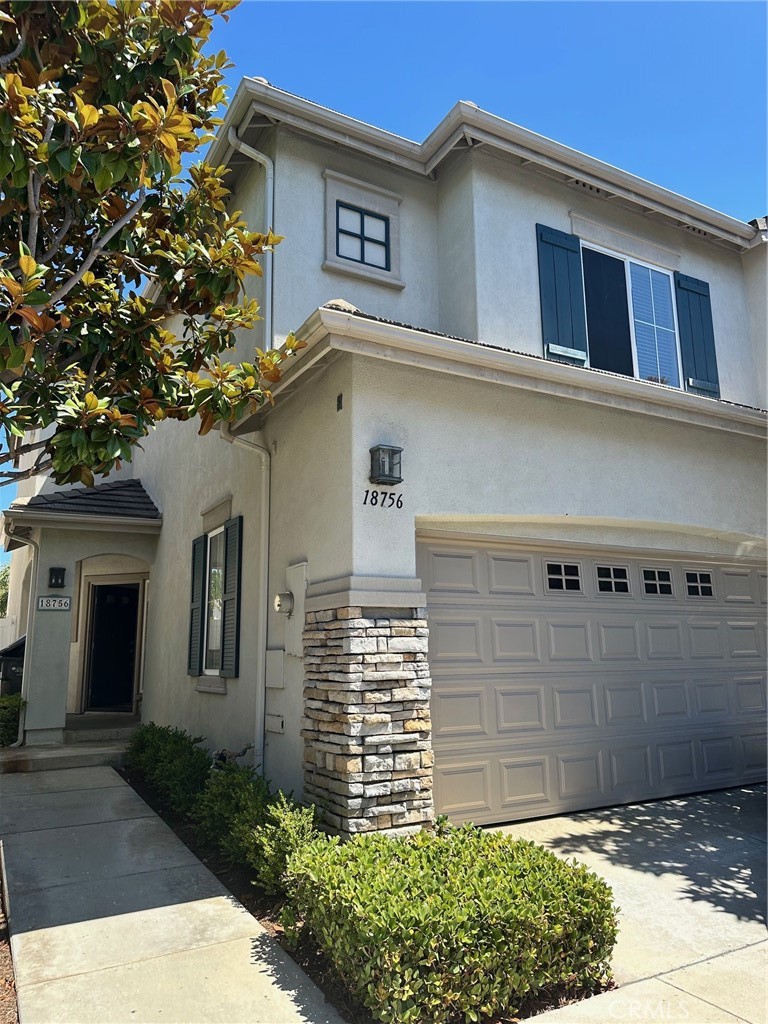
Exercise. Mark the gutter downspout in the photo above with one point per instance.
(261, 638)
(269, 216)
(30, 626)
(266, 476)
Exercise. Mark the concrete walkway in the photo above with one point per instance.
(690, 878)
(113, 920)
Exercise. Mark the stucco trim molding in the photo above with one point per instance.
(367, 591)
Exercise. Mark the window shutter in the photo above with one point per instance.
(561, 286)
(197, 607)
(230, 630)
(697, 337)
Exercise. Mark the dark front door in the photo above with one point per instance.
(112, 662)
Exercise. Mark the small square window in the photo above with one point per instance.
(362, 230)
(362, 236)
(612, 579)
(563, 576)
(699, 584)
(658, 582)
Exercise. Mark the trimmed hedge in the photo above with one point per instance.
(232, 804)
(171, 762)
(456, 925)
(287, 828)
(10, 710)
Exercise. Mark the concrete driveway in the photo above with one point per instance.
(690, 878)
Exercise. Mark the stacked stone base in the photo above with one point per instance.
(367, 730)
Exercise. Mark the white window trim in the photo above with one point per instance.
(626, 260)
(208, 537)
(371, 199)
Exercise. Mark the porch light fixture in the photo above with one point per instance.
(385, 465)
(56, 578)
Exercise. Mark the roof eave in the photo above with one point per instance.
(33, 518)
(330, 331)
(463, 119)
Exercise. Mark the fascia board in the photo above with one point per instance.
(570, 160)
(60, 520)
(464, 358)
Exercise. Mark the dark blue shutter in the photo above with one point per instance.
(197, 607)
(561, 287)
(697, 337)
(230, 611)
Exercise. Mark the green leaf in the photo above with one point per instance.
(102, 179)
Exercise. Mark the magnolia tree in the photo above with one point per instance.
(104, 247)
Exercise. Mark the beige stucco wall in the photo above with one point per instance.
(474, 450)
(509, 201)
(468, 251)
(301, 284)
(311, 516)
(755, 264)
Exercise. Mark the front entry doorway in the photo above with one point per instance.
(111, 672)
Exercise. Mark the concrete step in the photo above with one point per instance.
(100, 727)
(98, 735)
(63, 755)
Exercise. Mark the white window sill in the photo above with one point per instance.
(363, 273)
(211, 684)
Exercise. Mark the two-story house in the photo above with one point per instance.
(497, 550)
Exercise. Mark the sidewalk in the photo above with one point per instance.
(112, 918)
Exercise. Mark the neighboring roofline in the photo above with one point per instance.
(466, 124)
(328, 330)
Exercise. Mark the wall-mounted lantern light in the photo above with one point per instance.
(56, 578)
(385, 465)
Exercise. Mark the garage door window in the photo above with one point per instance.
(612, 579)
(658, 582)
(699, 584)
(563, 576)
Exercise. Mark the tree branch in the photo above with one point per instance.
(16, 476)
(8, 58)
(18, 450)
(98, 247)
(34, 187)
(59, 236)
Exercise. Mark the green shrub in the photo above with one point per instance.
(171, 762)
(289, 826)
(456, 926)
(10, 710)
(233, 802)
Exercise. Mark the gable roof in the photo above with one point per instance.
(123, 499)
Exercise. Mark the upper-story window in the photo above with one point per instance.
(631, 323)
(613, 312)
(362, 236)
(362, 230)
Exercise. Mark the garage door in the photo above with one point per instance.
(564, 679)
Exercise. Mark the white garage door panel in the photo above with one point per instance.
(547, 701)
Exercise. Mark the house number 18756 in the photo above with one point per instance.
(384, 499)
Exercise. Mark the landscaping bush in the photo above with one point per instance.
(233, 803)
(10, 709)
(456, 926)
(171, 762)
(289, 826)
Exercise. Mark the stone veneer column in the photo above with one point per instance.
(367, 740)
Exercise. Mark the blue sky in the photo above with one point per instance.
(674, 92)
